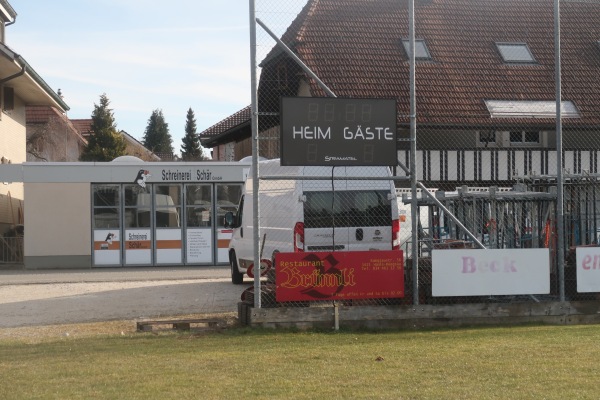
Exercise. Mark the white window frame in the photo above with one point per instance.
(503, 137)
(492, 144)
(420, 47)
(502, 46)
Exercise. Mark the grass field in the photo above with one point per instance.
(532, 362)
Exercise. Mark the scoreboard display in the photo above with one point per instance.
(338, 131)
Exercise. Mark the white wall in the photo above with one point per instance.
(13, 145)
(57, 219)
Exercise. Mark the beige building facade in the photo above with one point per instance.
(127, 212)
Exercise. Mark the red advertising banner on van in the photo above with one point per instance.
(339, 275)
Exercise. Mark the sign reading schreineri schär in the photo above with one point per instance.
(339, 275)
(338, 131)
(467, 272)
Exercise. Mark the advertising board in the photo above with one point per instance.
(467, 272)
(339, 275)
(588, 269)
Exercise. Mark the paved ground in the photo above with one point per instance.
(31, 298)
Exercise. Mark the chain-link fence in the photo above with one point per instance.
(488, 146)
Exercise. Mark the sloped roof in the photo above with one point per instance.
(7, 12)
(233, 122)
(28, 85)
(139, 146)
(354, 46)
(40, 114)
(43, 115)
(83, 126)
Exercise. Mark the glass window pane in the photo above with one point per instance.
(228, 198)
(167, 195)
(167, 217)
(198, 199)
(106, 195)
(167, 211)
(106, 218)
(421, 50)
(516, 137)
(515, 52)
(487, 137)
(532, 137)
(136, 195)
(137, 217)
(130, 220)
(350, 209)
(198, 194)
(143, 218)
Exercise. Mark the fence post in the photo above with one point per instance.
(560, 248)
(255, 185)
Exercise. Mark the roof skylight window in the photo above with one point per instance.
(530, 109)
(515, 53)
(421, 50)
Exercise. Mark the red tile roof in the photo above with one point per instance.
(43, 115)
(355, 47)
(234, 121)
(83, 126)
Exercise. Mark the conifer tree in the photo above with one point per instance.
(190, 148)
(157, 137)
(105, 143)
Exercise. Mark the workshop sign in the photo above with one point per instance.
(338, 131)
(339, 275)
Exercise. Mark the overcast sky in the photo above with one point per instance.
(144, 54)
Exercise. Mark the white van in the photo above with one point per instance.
(327, 214)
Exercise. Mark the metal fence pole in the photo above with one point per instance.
(255, 185)
(413, 153)
(560, 250)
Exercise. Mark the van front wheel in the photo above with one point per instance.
(236, 276)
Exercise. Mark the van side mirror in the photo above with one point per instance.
(229, 220)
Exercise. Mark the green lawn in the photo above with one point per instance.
(533, 362)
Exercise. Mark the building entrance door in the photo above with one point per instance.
(137, 232)
(199, 223)
(228, 198)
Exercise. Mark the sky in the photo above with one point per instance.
(144, 55)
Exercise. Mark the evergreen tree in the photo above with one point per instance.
(105, 143)
(190, 148)
(156, 137)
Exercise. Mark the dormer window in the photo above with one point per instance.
(515, 53)
(421, 50)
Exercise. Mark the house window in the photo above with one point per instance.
(487, 139)
(282, 75)
(421, 50)
(515, 53)
(8, 99)
(524, 138)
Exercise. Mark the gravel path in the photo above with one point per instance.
(54, 298)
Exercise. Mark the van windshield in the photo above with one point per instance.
(347, 209)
